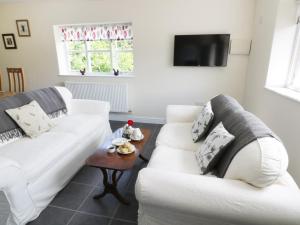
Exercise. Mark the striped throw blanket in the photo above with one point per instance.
(49, 99)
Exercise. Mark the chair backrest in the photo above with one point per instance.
(0, 81)
(16, 79)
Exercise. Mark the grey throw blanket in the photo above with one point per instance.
(242, 124)
(49, 99)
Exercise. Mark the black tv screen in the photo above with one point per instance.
(201, 50)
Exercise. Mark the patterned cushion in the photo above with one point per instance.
(202, 123)
(214, 145)
(31, 118)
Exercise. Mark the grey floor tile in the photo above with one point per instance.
(104, 206)
(128, 212)
(121, 222)
(53, 216)
(72, 196)
(88, 175)
(83, 219)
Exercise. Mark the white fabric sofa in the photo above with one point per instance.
(33, 171)
(171, 191)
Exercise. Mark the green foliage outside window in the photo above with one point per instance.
(126, 61)
(101, 62)
(78, 61)
(101, 55)
(76, 45)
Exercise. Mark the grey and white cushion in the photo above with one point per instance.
(31, 118)
(202, 123)
(210, 151)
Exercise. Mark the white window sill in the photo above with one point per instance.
(285, 92)
(74, 74)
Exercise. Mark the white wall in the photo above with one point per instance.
(157, 82)
(280, 113)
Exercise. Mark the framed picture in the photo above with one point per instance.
(9, 41)
(23, 28)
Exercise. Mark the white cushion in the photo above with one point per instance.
(175, 160)
(31, 118)
(80, 125)
(38, 155)
(214, 145)
(260, 163)
(177, 135)
(202, 123)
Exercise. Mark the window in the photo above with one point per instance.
(294, 79)
(99, 49)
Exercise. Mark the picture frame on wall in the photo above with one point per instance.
(23, 28)
(9, 41)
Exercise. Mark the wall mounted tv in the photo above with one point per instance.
(201, 50)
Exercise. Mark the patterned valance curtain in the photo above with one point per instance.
(96, 32)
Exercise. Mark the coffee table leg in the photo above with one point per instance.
(105, 183)
(143, 158)
(112, 187)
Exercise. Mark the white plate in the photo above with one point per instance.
(139, 139)
(119, 141)
(118, 150)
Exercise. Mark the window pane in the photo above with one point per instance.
(99, 45)
(78, 61)
(296, 81)
(101, 62)
(76, 45)
(126, 61)
(123, 45)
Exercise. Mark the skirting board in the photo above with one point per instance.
(139, 119)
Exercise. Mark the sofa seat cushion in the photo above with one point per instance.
(177, 135)
(175, 160)
(80, 125)
(39, 154)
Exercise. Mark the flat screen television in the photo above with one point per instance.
(201, 50)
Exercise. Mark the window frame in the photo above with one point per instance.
(295, 56)
(87, 53)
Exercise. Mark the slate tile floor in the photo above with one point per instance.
(75, 205)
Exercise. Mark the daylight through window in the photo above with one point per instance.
(99, 49)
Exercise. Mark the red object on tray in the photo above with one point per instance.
(130, 122)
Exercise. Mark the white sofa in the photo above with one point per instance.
(171, 191)
(33, 171)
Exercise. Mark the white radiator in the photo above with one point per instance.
(116, 94)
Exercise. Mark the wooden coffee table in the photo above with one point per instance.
(117, 163)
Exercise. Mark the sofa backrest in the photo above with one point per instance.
(50, 100)
(245, 126)
(66, 95)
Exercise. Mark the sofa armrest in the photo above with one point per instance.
(182, 113)
(10, 171)
(90, 107)
(218, 199)
(14, 185)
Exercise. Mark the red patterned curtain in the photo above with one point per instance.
(96, 32)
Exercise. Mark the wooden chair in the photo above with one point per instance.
(16, 79)
(0, 82)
